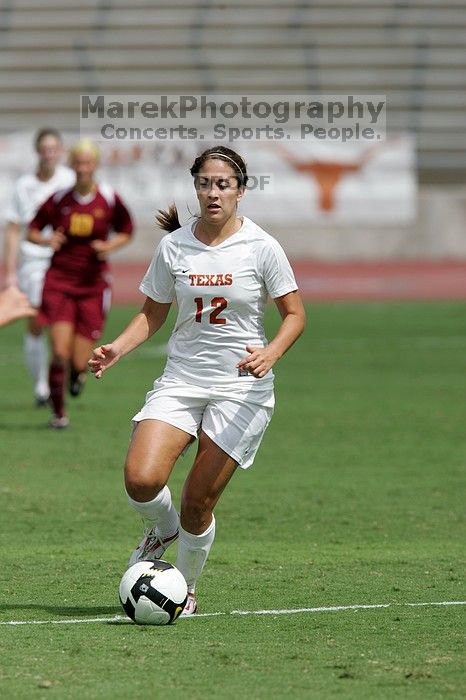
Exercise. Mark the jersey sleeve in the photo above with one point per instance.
(121, 221)
(276, 270)
(159, 283)
(44, 215)
(14, 213)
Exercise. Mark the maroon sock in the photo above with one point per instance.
(57, 375)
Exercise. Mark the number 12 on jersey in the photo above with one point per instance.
(218, 304)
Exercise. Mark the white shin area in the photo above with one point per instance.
(160, 512)
(36, 356)
(193, 551)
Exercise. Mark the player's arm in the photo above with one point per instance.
(151, 317)
(43, 218)
(35, 236)
(122, 224)
(10, 254)
(103, 248)
(261, 360)
(55, 241)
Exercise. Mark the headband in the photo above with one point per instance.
(222, 155)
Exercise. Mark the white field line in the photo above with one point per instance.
(236, 613)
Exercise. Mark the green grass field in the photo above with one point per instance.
(356, 498)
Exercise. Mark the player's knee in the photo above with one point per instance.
(60, 358)
(142, 485)
(142, 491)
(60, 355)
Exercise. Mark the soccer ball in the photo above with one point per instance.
(153, 592)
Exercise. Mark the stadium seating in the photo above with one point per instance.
(411, 51)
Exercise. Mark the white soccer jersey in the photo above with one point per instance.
(221, 293)
(29, 194)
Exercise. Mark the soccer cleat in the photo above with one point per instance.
(77, 381)
(191, 606)
(41, 401)
(59, 422)
(152, 546)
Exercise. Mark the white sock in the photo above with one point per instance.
(193, 551)
(160, 511)
(36, 355)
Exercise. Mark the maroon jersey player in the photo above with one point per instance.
(76, 294)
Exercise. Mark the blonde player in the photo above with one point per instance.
(89, 221)
(218, 382)
(26, 263)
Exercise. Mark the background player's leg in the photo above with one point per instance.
(31, 274)
(80, 353)
(210, 473)
(91, 312)
(61, 339)
(36, 357)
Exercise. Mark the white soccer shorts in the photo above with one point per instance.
(236, 425)
(34, 262)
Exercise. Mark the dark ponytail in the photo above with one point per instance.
(168, 220)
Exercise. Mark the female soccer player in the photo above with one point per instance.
(217, 384)
(76, 294)
(26, 263)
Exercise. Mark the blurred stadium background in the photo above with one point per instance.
(394, 228)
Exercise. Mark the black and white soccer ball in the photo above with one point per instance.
(153, 592)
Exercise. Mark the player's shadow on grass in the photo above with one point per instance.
(67, 611)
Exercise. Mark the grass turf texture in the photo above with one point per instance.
(356, 497)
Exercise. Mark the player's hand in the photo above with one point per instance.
(102, 358)
(100, 248)
(57, 239)
(259, 361)
(13, 305)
